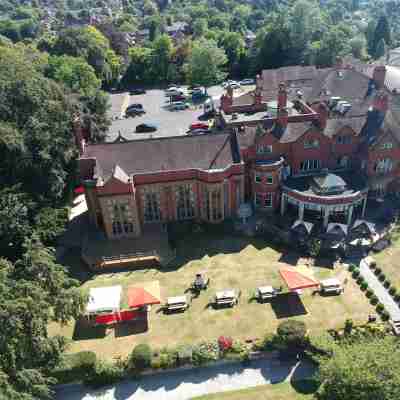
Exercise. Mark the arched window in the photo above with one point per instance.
(384, 166)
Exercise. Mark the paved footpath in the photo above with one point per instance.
(184, 385)
(380, 291)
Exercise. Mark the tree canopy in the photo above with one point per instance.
(365, 370)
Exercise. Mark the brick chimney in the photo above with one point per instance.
(282, 105)
(78, 134)
(323, 115)
(339, 64)
(227, 100)
(381, 102)
(379, 76)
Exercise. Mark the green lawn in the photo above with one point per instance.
(230, 262)
(389, 259)
(301, 390)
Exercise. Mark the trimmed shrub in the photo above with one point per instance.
(385, 315)
(352, 267)
(168, 358)
(374, 300)
(369, 293)
(185, 353)
(104, 373)
(364, 286)
(225, 343)
(386, 284)
(380, 307)
(397, 297)
(377, 271)
(373, 265)
(74, 367)
(382, 277)
(356, 273)
(205, 352)
(360, 280)
(140, 357)
(392, 291)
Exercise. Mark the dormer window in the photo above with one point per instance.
(387, 146)
(311, 144)
(343, 140)
(264, 149)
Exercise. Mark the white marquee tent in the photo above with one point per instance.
(104, 299)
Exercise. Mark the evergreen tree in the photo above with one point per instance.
(380, 49)
(382, 31)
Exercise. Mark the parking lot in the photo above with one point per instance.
(170, 123)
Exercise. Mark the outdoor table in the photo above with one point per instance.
(265, 292)
(177, 303)
(226, 297)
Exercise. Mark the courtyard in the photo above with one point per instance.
(231, 262)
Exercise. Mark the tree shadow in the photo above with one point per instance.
(84, 330)
(131, 328)
(288, 305)
(290, 258)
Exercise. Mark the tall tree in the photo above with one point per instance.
(161, 57)
(204, 66)
(380, 49)
(382, 31)
(365, 370)
(33, 291)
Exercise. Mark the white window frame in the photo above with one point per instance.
(344, 139)
(311, 144)
(268, 197)
(310, 165)
(257, 178)
(264, 149)
(387, 146)
(270, 179)
(257, 200)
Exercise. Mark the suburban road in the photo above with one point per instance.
(183, 385)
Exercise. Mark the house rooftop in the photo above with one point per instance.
(203, 152)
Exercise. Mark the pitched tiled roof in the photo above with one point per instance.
(334, 125)
(349, 84)
(209, 151)
(272, 77)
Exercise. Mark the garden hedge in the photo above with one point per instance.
(140, 357)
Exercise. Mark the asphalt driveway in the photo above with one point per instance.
(184, 385)
(171, 123)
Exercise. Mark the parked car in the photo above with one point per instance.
(198, 125)
(137, 91)
(232, 84)
(135, 106)
(198, 131)
(179, 105)
(245, 82)
(143, 128)
(179, 97)
(174, 91)
(133, 112)
(331, 286)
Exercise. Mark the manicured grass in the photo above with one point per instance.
(389, 259)
(281, 391)
(229, 262)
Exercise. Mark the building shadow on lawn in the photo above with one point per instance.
(85, 331)
(131, 328)
(288, 305)
(290, 258)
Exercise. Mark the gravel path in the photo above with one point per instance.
(184, 385)
(380, 291)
